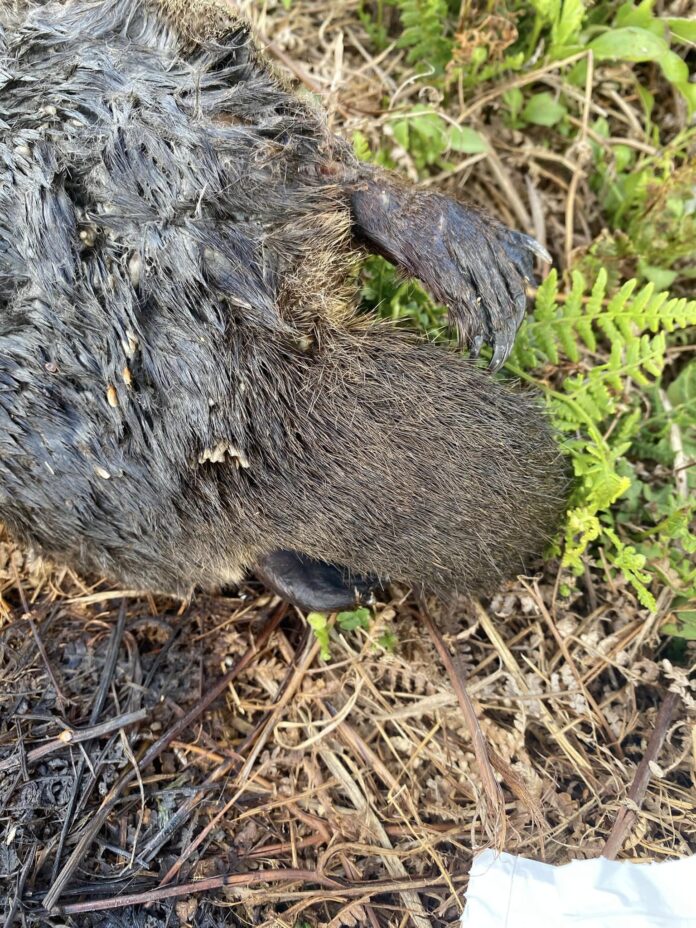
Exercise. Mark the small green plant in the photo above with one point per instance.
(428, 137)
(386, 292)
(424, 32)
(631, 33)
(319, 623)
(616, 346)
(684, 624)
(346, 621)
(637, 35)
(650, 207)
(356, 618)
(561, 21)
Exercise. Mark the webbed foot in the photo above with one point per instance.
(314, 586)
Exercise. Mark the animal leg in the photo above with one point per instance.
(465, 258)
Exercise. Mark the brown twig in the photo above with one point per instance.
(492, 789)
(75, 736)
(61, 700)
(342, 890)
(579, 169)
(26, 868)
(110, 662)
(199, 886)
(528, 78)
(627, 815)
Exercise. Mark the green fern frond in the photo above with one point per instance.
(598, 404)
(625, 321)
(425, 27)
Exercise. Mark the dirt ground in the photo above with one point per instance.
(201, 764)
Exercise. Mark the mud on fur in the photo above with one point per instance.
(186, 390)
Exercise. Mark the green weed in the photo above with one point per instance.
(346, 622)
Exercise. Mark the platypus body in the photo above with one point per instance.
(187, 392)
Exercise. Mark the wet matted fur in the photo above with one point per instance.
(185, 386)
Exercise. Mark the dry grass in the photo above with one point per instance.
(344, 792)
(148, 745)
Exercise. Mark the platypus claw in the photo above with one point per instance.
(494, 267)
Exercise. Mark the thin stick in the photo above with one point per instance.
(636, 794)
(28, 864)
(529, 78)
(110, 662)
(75, 736)
(491, 786)
(199, 886)
(61, 699)
(583, 156)
(342, 890)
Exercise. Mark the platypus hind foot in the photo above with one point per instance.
(314, 586)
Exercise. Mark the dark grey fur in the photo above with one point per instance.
(184, 385)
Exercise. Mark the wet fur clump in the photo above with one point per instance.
(184, 384)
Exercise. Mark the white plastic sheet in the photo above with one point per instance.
(511, 892)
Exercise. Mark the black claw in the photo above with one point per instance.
(497, 360)
(475, 347)
(503, 321)
(504, 339)
(503, 346)
(522, 241)
(520, 250)
(538, 249)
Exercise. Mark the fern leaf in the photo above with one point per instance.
(425, 32)
(560, 326)
(629, 331)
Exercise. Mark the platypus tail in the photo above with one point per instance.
(409, 464)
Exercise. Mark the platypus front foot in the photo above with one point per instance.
(314, 586)
(468, 260)
(500, 317)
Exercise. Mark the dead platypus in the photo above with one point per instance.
(187, 391)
